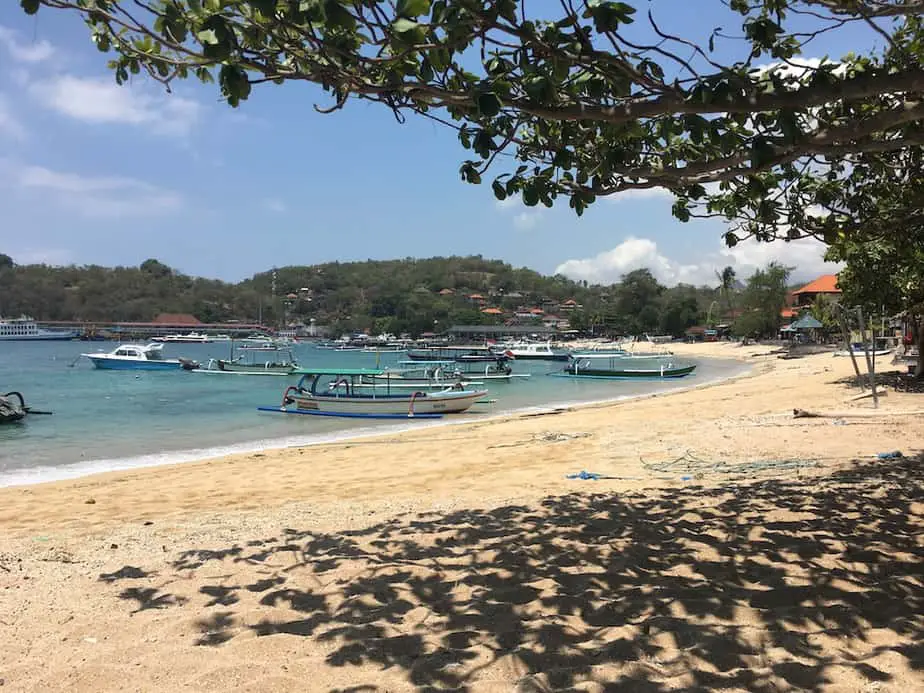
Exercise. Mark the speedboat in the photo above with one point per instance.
(136, 357)
(191, 338)
(344, 392)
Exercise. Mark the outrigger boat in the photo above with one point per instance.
(623, 367)
(340, 392)
(451, 372)
(253, 366)
(463, 354)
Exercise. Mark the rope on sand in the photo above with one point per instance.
(690, 464)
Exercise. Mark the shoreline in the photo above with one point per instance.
(34, 476)
(502, 457)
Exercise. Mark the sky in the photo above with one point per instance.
(95, 173)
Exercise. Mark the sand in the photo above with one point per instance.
(730, 547)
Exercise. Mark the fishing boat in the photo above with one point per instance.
(136, 357)
(455, 371)
(334, 392)
(13, 408)
(25, 329)
(534, 351)
(621, 367)
(250, 363)
(465, 354)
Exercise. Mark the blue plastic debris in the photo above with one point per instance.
(894, 455)
(593, 476)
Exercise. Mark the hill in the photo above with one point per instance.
(397, 296)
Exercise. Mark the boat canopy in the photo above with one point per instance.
(339, 371)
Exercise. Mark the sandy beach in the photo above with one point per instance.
(729, 546)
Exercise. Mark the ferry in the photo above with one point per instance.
(24, 329)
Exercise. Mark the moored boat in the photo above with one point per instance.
(136, 357)
(860, 350)
(622, 367)
(534, 351)
(341, 392)
(191, 338)
(283, 363)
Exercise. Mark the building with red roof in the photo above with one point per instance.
(826, 285)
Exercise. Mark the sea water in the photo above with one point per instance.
(108, 420)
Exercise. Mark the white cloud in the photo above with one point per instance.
(529, 218)
(641, 194)
(9, 125)
(274, 204)
(23, 51)
(109, 197)
(806, 256)
(100, 101)
(525, 219)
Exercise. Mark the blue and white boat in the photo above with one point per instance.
(135, 357)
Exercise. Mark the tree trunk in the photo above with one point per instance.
(845, 331)
(870, 364)
(919, 369)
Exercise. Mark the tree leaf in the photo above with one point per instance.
(488, 104)
(29, 6)
(412, 8)
(402, 25)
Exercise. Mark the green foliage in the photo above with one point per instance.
(764, 299)
(638, 302)
(680, 309)
(6, 262)
(583, 111)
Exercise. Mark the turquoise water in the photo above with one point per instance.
(106, 420)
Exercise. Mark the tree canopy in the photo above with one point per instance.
(578, 102)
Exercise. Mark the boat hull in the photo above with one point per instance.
(630, 373)
(454, 402)
(520, 356)
(110, 364)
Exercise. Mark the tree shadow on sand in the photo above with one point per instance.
(768, 586)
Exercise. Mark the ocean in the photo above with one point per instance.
(111, 420)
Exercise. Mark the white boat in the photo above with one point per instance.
(859, 350)
(24, 329)
(191, 338)
(136, 357)
(333, 392)
(533, 350)
(282, 363)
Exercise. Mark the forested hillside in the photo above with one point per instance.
(408, 295)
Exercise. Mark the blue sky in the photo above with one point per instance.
(95, 173)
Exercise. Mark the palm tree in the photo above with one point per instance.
(726, 283)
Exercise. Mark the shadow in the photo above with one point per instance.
(128, 572)
(777, 585)
(899, 381)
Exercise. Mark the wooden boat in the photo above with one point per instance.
(334, 392)
(451, 372)
(464, 354)
(280, 365)
(622, 367)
